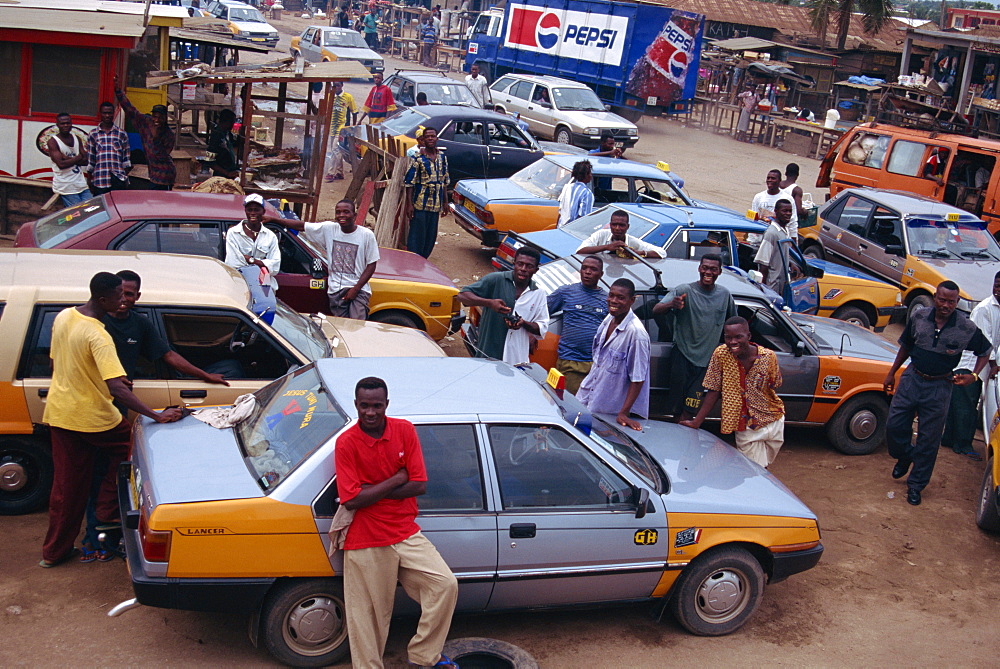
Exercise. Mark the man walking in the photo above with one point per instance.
(425, 199)
(108, 154)
(615, 239)
(370, 28)
(699, 311)
(69, 157)
(496, 295)
(157, 141)
(428, 38)
(792, 191)
(769, 258)
(250, 243)
(86, 378)
(380, 472)
(747, 377)
(960, 427)
(576, 199)
(584, 306)
(618, 381)
(934, 338)
(765, 202)
(351, 255)
(479, 86)
(379, 103)
(344, 112)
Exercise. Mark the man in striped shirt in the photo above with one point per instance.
(426, 184)
(108, 149)
(584, 306)
(576, 198)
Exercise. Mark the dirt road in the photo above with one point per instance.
(898, 585)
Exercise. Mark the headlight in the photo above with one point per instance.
(965, 305)
(273, 35)
(591, 131)
(633, 132)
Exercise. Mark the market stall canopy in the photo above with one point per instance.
(861, 87)
(281, 71)
(781, 72)
(219, 39)
(744, 44)
(59, 19)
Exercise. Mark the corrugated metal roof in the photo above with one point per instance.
(210, 37)
(744, 44)
(71, 21)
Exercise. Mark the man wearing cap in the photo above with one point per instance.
(157, 140)
(250, 243)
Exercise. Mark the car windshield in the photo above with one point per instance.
(448, 94)
(627, 451)
(301, 332)
(585, 226)
(350, 38)
(293, 417)
(962, 240)
(248, 14)
(577, 99)
(542, 178)
(67, 223)
(403, 122)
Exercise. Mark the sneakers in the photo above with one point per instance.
(445, 662)
(972, 455)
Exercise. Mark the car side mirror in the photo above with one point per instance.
(896, 250)
(640, 509)
(814, 272)
(607, 107)
(800, 348)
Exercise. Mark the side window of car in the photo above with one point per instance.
(507, 135)
(35, 361)
(611, 189)
(317, 36)
(765, 328)
(454, 478)
(406, 94)
(542, 467)
(521, 89)
(467, 132)
(225, 343)
(503, 84)
(867, 149)
(831, 213)
(200, 239)
(394, 83)
(908, 158)
(308, 37)
(659, 326)
(690, 244)
(855, 214)
(294, 258)
(886, 229)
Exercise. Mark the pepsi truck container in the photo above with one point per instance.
(637, 57)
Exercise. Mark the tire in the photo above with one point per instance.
(814, 251)
(479, 653)
(718, 592)
(396, 317)
(858, 427)
(855, 315)
(987, 516)
(297, 609)
(918, 302)
(563, 135)
(25, 475)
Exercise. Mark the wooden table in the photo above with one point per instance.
(448, 53)
(821, 135)
(403, 46)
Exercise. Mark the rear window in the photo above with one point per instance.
(404, 122)
(65, 224)
(585, 226)
(867, 149)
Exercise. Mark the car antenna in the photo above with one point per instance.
(658, 274)
(653, 200)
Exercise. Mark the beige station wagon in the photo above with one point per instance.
(199, 305)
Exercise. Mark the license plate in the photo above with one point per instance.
(256, 39)
(317, 284)
(133, 489)
(468, 204)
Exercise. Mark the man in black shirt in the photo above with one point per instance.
(933, 339)
(222, 144)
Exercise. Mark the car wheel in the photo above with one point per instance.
(854, 315)
(304, 623)
(25, 475)
(488, 654)
(919, 302)
(563, 135)
(987, 515)
(396, 317)
(858, 427)
(718, 592)
(814, 251)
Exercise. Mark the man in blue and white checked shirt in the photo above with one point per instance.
(108, 154)
(584, 306)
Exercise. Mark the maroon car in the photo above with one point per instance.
(406, 289)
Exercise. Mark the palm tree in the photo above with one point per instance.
(874, 15)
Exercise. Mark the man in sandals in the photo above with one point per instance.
(380, 473)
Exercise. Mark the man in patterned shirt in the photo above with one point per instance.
(157, 140)
(379, 103)
(107, 148)
(747, 376)
(426, 182)
(344, 112)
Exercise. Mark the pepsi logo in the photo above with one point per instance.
(678, 64)
(548, 31)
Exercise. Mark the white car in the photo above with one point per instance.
(322, 43)
(245, 21)
(562, 110)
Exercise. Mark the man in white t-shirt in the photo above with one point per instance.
(615, 239)
(764, 201)
(351, 256)
(479, 86)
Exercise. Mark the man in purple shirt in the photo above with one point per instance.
(618, 382)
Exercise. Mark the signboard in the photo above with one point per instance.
(597, 38)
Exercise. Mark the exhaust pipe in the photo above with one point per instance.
(127, 605)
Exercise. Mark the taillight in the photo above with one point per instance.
(485, 216)
(456, 197)
(155, 543)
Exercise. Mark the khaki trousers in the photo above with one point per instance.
(762, 445)
(370, 576)
(574, 371)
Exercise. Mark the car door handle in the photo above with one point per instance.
(188, 394)
(43, 392)
(496, 153)
(862, 247)
(522, 531)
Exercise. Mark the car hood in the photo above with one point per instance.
(353, 53)
(190, 461)
(602, 119)
(352, 338)
(830, 334)
(708, 475)
(839, 270)
(555, 243)
(254, 27)
(482, 191)
(405, 266)
(968, 274)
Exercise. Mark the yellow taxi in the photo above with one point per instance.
(988, 504)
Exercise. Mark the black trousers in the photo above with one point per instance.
(928, 401)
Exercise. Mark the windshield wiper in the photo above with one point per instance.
(935, 253)
(978, 253)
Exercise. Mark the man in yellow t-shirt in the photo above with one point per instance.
(86, 379)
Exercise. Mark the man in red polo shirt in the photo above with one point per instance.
(380, 472)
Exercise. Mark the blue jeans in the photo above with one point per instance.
(76, 198)
(423, 232)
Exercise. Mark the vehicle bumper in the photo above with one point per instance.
(468, 222)
(892, 312)
(594, 141)
(786, 564)
(457, 320)
(189, 594)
